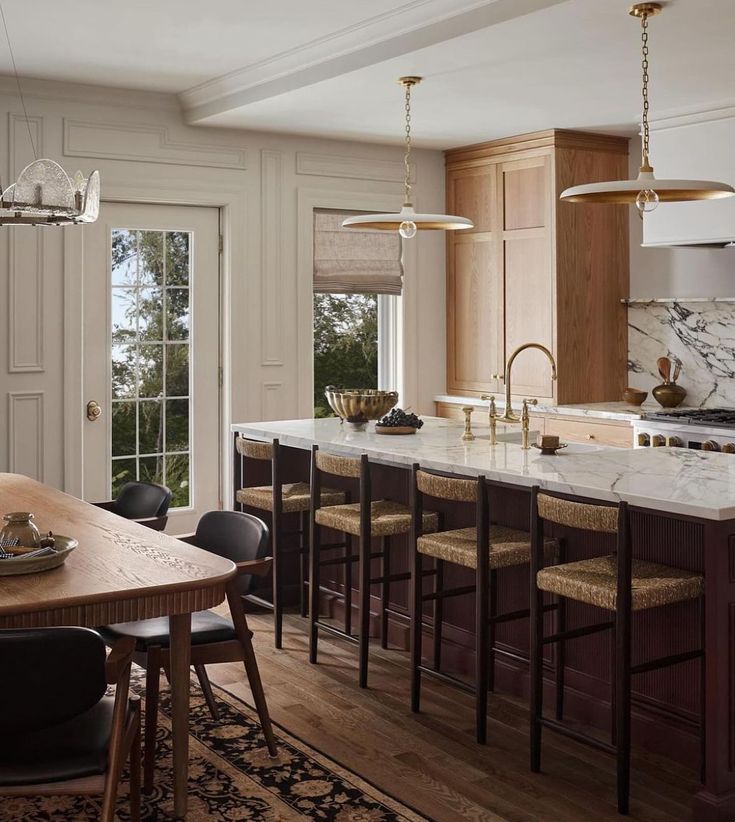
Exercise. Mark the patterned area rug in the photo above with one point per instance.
(231, 777)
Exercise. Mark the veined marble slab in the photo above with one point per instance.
(674, 480)
(595, 410)
(699, 334)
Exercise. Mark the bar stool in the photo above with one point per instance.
(486, 548)
(281, 498)
(364, 520)
(617, 583)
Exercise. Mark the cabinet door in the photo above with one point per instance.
(474, 284)
(524, 198)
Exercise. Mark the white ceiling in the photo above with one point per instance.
(327, 67)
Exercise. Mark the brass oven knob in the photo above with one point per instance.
(657, 440)
(710, 445)
(728, 448)
(675, 442)
(643, 440)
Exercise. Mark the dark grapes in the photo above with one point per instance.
(398, 418)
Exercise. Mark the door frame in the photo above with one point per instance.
(151, 190)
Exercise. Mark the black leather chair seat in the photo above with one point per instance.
(71, 750)
(206, 627)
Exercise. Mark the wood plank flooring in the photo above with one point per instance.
(431, 761)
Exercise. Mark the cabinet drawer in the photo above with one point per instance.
(599, 433)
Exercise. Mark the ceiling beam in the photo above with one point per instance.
(407, 28)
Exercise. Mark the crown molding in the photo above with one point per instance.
(724, 110)
(409, 27)
(83, 93)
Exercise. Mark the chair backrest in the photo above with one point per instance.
(254, 449)
(236, 536)
(581, 515)
(140, 500)
(446, 487)
(338, 466)
(49, 675)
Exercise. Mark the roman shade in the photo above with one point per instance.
(358, 261)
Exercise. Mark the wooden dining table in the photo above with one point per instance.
(121, 571)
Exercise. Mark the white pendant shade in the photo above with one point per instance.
(627, 191)
(392, 222)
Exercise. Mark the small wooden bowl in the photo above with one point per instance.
(14, 567)
(396, 429)
(634, 396)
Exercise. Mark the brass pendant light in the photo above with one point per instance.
(646, 191)
(407, 222)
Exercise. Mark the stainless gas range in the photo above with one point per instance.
(706, 429)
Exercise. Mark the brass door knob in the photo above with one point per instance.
(590, 436)
(94, 410)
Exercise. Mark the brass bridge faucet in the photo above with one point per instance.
(509, 415)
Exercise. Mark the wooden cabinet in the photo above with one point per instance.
(535, 269)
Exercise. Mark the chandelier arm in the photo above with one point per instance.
(407, 154)
(645, 129)
(17, 82)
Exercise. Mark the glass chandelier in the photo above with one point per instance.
(646, 191)
(44, 194)
(407, 221)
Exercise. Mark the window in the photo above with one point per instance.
(357, 288)
(151, 371)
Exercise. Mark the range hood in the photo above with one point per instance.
(702, 146)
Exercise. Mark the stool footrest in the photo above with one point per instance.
(256, 600)
(399, 577)
(448, 679)
(574, 633)
(450, 592)
(572, 733)
(330, 629)
(665, 661)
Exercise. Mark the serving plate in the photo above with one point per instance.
(13, 567)
(395, 429)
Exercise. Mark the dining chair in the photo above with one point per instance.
(60, 733)
(243, 539)
(145, 502)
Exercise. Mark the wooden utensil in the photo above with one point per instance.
(664, 368)
(677, 371)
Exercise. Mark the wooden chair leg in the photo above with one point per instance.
(613, 668)
(702, 697)
(438, 615)
(482, 596)
(251, 669)
(348, 584)
(313, 591)
(206, 687)
(135, 766)
(153, 675)
(560, 656)
(416, 627)
(384, 592)
(492, 611)
(364, 633)
(303, 561)
(536, 675)
(622, 705)
(277, 582)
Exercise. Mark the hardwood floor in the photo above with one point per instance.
(431, 760)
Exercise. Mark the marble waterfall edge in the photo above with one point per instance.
(699, 334)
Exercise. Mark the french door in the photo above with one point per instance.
(152, 355)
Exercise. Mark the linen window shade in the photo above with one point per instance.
(354, 261)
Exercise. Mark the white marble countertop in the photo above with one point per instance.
(674, 480)
(598, 410)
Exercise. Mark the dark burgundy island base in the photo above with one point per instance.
(667, 703)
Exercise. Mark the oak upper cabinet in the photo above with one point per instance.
(535, 269)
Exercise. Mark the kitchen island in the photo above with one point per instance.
(683, 514)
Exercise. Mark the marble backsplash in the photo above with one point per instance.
(701, 334)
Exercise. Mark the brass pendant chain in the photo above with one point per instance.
(645, 164)
(407, 155)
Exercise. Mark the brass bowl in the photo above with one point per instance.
(634, 396)
(358, 405)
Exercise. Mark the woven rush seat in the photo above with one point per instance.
(508, 546)
(594, 581)
(387, 518)
(296, 497)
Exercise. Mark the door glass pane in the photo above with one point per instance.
(151, 363)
